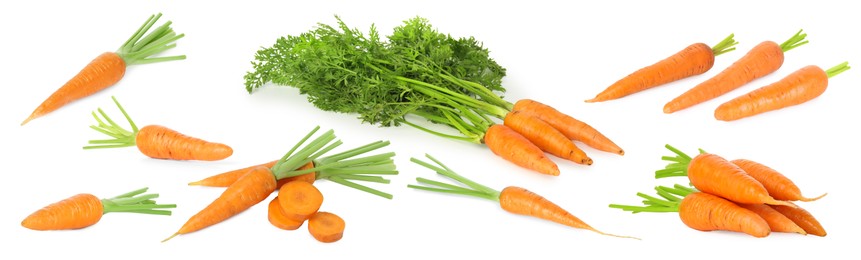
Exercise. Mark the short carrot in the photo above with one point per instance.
(693, 60)
(108, 68)
(513, 147)
(277, 218)
(326, 227)
(156, 141)
(299, 200)
(706, 212)
(84, 210)
(777, 222)
(802, 218)
(799, 87)
(572, 128)
(762, 60)
(779, 186)
(512, 199)
(546, 137)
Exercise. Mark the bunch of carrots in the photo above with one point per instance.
(763, 59)
(739, 195)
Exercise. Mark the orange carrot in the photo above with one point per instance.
(776, 222)
(156, 141)
(326, 227)
(277, 218)
(513, 199)
(108, 68)
(801, 86)
(693, 60)
(762, 60)
(299, 200)
(84, 210)
(572, 128)
(512, 146)
(779, 186)
(545, 137)
(226, 178)
(802, 218)
(706, 212)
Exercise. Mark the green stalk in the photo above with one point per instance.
(724, 45)
(475, 189)
(135, 202)
(834, 71)
(138, 48)
(121, 136)
(796, 40)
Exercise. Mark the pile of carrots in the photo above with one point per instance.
(739, 195)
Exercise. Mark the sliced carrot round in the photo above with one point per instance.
(326, 227)
(277, 218)
(299, 200)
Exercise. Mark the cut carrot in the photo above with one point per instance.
(277, 218)
(546, 137)
(572, 128)
(299, 200)
(84, 210)
(802, 218)
(326, 227)
(779, 186)
(513, 147)
(706, 212)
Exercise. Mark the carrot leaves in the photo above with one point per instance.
(121, 137)
(473, 189)
(136, 202)
(139, 47)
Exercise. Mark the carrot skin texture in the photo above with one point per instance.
(326, 227)
(102, 72)
(545, 137)
(248, 191)
(79, 211)
(776, 222)
(277, 218)
(802, 218)
(715, 175)
(513, 147)
(706, 212)
(762, 60)
(693, 60)
(164, 143)
(570, 127)
(226, 178)
(779, 186)
(801, 86)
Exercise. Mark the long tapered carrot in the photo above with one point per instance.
(801, 86)
(777, 222)
(572, 128)
(512, 199)
(706, 212)
(513, 147)
(155, 141)
(84, 210)
(546, 137)
(779, 186)
(802, 218)
(762, 60)
(693, 60)
(108, 68)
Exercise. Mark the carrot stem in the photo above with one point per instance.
(475, 139)
(138, 48)
(135, 202)
(834, 71)
(357, 177)
(122, 137)
(797, 40)
(724, 46)
(357, 186)
(475, 189)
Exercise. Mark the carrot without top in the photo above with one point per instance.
(572, 128)
(803, 218)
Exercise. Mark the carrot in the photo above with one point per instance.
(299, 200)
(326, 227)
(545, 137)
(277, 218)
(156, 141)
(706, 212)
(572, 128)
(715, 175)
(108, 68)
(512, 199)
(799, 87)
(779, 186)
(776, 222)
(226, 178)
(693, 60)
(84, 210)
(762, 60)
(802, 218)
(513, 147)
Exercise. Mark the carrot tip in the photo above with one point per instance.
(813, 199)
(28, 119)
(612, 235)
(591, 100)
(194, 183)
(171, 236)
(621, 152)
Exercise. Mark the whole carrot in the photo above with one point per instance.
(156, 141)
(762, 60)
(802, 218)
(779, 186)
(572, 128)
(693, 60)
(229, 177)
(84, 210)
(545, 137)
(513, 199)
(108, 68)
(801, 86)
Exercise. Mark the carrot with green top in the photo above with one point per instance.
(108, 68)
(84, 210)
(693, 60)
(762, 60)
(799, 87)
(513, 199)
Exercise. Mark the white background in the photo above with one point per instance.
(557, 54)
